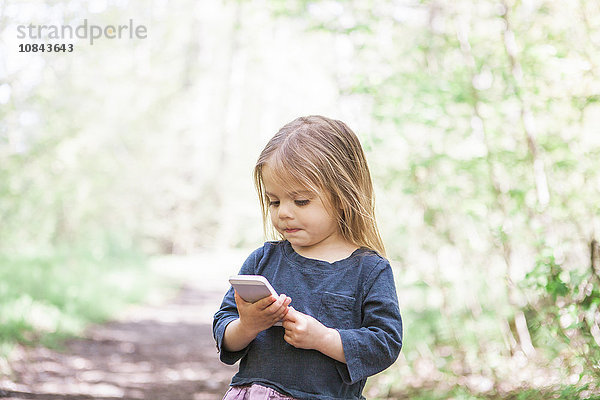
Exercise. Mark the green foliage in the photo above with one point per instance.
(47, 297)
(564, 314)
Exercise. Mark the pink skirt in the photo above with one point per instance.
(254, 392)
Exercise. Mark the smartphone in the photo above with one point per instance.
(252, 288)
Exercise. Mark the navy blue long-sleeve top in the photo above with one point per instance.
(356, 296)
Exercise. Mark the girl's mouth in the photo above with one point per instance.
(291, 230)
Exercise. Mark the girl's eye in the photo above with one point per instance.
(301, 202)
(273, 203)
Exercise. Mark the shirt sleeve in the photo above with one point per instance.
(228, 313)
(377, 343)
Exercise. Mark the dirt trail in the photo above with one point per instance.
(160, 351)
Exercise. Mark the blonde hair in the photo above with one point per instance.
(326, 156)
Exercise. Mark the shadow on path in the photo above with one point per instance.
(155, 352)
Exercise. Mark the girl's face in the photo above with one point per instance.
(301, 217)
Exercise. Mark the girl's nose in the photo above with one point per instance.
(285, 210)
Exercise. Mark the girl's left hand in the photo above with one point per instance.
(305, 332)
(302, 330)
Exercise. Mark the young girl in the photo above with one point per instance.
(343, 323)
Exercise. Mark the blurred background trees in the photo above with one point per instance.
(480, 120)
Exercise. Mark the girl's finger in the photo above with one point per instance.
(276, 304)
(287, 338)
(291, 315)
(284, 307)
(266, 302)
(281, 314)
(287, 301)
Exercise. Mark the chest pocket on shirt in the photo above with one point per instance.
(336, 310)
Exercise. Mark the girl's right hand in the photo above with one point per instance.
(256, 317)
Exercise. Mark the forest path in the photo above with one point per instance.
(160, 350)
